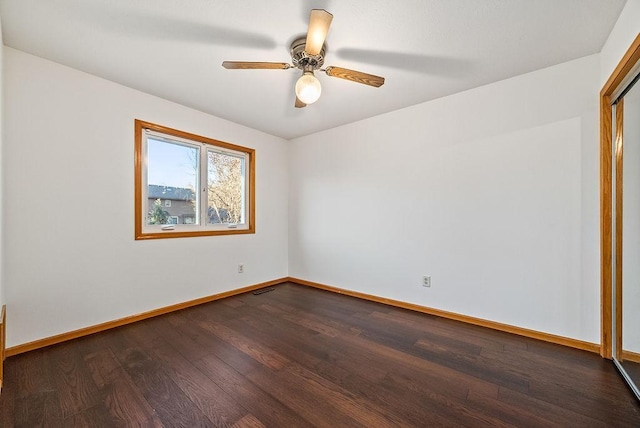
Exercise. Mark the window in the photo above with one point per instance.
(188, 185)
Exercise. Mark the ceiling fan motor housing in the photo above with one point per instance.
(302, 59)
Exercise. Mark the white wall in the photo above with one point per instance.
(492, 192)
(621, 37)
(71, 260)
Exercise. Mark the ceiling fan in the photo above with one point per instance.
(307, 54)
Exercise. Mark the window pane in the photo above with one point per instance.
(225, 180)
(172, 180)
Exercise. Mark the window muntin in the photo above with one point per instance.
(188, 185)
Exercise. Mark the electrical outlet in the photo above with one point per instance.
(240, 268)
(426, 281)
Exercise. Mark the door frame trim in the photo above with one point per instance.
(624, 67)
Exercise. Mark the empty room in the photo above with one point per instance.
(320, 213)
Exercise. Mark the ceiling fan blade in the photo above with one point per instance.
(299, 104)
(355, 76)
(319, 22)
(245, 65)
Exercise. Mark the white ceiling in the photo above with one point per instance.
(425, 49)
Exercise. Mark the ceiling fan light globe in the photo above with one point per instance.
(308, 88)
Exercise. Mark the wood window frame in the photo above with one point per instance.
(139, 160)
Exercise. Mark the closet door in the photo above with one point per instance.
(620, 216)
(627, 289)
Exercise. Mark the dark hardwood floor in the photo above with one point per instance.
(298, 356)
(633, 370)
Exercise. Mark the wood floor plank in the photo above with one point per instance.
(93, 417)
(580, 401)
(8, 414)
(363, 377)
(435, 404)
(357, 407)
(262, 404)
(467, 362)
(125, 403)
(312, 349)
(249, 421)
(516, 416)
(441, 333)
(261, 354)
(533, 366)
(555, 412)
(199, 342)
(75, 389)
(314, 409)
(300, 357)
(165, 397)
(213, 401)
(308, 321)
(444, 378)
(185, 334)
(33, 375)
(338, 360)
(29, 410)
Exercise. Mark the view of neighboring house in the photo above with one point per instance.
(177, 201)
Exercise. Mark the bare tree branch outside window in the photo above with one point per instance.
(225, 188)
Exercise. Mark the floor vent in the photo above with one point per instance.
(263, 290)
